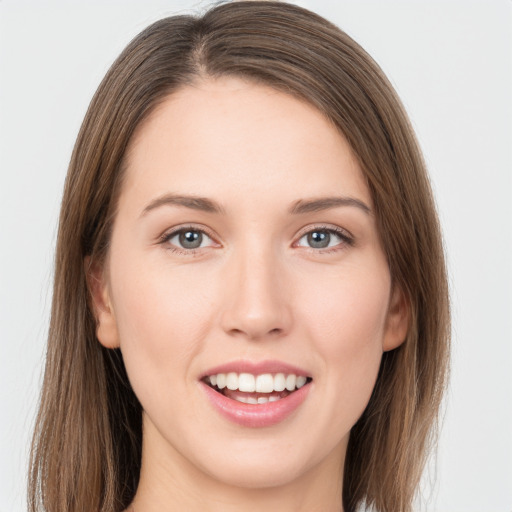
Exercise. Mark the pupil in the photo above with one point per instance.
(191, 239)
(319, 239)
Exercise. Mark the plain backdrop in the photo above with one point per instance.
(451, 62)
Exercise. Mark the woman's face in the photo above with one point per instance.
(245, 253)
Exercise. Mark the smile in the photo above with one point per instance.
(256, 394)
(256, 389)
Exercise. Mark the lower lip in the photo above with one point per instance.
(256, 416)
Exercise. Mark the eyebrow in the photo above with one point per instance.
(326, 203)
(193, 202)
(299, 207)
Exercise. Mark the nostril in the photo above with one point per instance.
(254, 333)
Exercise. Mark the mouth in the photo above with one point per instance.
(257, 389)
(256, 394)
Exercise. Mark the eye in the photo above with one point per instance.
(188, 239)
(324, 238)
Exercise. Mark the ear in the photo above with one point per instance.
(398, 319)
(106, 325)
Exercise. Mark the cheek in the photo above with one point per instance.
(346, 318)
(347, 313)
(162, 317)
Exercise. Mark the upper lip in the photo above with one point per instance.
(256, 368)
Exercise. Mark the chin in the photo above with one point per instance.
(266, 465)
(250, 475)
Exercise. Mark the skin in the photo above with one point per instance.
(255, 290)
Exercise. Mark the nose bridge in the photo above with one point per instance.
(256, 286)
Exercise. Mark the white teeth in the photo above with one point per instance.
(221, 380)
(264, 383)
(301, 380)
(291, 380)
(232, 381)
(279, 382)
(246, 383)
(254, 401)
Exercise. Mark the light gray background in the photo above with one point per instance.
(451, 62)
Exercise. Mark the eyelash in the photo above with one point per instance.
(346, 239)
(164, 239)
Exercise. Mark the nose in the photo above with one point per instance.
(257, 304)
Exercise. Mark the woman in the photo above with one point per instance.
(250, 304)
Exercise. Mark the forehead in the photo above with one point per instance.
(229, 135)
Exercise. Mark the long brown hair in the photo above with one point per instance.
(87, 444)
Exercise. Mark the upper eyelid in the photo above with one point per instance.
(169, 233)
(325, 227)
